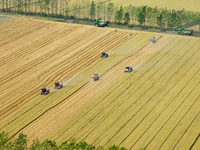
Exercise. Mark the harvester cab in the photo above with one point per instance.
(128, 69)
(45, 91)
(95, 77)
(104, 55)
(58, 85)
(152, 40)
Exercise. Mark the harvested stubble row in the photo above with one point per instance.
(118, 39)
(71, 63)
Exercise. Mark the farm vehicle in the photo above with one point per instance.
(45, 91)
(184, 32)
(104, 55)
(152, 40)
(95, 77)
(102, 23)
(128, 69)
(58, 85)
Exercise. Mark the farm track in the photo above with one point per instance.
(156, 106)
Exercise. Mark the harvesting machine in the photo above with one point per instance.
(95, 77)
(128, 69)
(184, 32)
(99, 23)
(104, 55)
(58, 85)
(45, 91)
(152, 40)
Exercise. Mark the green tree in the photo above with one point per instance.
(21, 142)
(92, 10)
(99, 10)
(110, 10)
(119, 15)
(160, 21)
(172, 20)
(155, 13)
(149, 15)
(126, 18)
(49, 145)
(36, 145)
(142, 15)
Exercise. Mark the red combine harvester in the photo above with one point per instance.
(95, 77)
(58, 85)
(45, 91)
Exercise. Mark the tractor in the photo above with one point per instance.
(95, 77)
(128, 69)
(58, 85)
(104, 55)
(184, 32)
(45, 91)
(99, 23)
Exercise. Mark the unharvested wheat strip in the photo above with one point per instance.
(190, 136)
(189, 112)
(169, 95)
(135, 94)
(180, 98)
(188, 127)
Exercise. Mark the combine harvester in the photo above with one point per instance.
(99, 23)
(95, 77)
(181, 31)
(104, 55)
(45, 91)
(58, 85)
(152, 40)
(128, 69)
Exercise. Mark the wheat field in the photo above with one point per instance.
(156, 106)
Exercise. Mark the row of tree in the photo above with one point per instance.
(80, 9)
(20, 143)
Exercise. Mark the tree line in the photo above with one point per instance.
(85, 9)
(20, 143)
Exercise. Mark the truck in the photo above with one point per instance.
(182, 31)
(102, 23)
